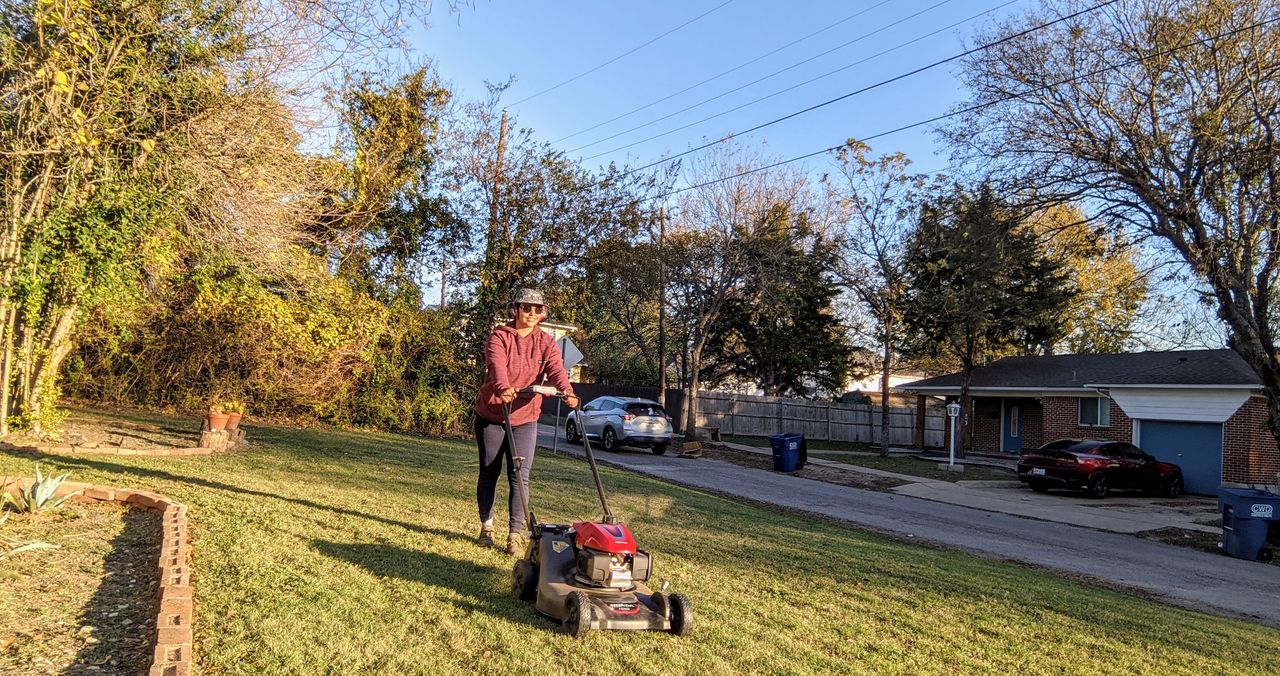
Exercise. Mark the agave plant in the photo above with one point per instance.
(39, 496)
(24, 547)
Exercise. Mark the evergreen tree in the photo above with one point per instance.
(979, 285)
(783, 332)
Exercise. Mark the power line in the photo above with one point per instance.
(762, 79)
(620, 56)
(877, 85)
(975, 107)
(731, 70)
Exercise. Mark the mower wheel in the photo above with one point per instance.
(524, 580)
(659, 449)
(609, 439)
(577, 615)
(681, 614)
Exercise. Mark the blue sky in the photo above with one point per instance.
(543, 44)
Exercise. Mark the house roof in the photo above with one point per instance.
(1081, 371)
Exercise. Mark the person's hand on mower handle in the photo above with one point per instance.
(572, 400)
(508, 395)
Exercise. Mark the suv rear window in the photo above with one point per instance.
(641, 408)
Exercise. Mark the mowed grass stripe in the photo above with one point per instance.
(324, 551)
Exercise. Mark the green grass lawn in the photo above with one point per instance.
(921, 468)
(320, 551)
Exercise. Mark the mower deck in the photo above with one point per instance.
(548, 576)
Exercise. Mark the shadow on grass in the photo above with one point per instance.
(127, 593)
(466, 578)
(73, 462)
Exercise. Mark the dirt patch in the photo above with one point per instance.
(830, 475)
(86, 430)
(88, 607)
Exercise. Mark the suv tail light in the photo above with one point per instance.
(629, 417)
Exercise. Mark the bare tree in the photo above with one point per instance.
(1162, 114)
(710, 250)
(876, 202)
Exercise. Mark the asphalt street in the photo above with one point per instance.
(1176, 575)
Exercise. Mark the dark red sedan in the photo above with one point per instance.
(1097, 467)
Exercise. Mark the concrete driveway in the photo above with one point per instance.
(1118, 513)
(1176, 575)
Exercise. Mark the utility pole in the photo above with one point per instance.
(662, 309)
(497, 196)
(496, 251)
(497, 182)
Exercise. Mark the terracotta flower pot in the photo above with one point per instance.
(218, 421)
(233, 422)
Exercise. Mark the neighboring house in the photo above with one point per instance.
(1201, 409)
(869, 386)
(871, 383)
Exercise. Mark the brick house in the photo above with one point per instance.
(1201, 409)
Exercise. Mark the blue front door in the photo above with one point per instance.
(1195, 447)
(1011, 422)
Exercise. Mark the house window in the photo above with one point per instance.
(1095, 412)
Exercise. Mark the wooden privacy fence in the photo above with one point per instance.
(753, 415)
(750, 415)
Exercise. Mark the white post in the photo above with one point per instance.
(953, 410)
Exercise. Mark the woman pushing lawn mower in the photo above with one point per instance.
(517, 355)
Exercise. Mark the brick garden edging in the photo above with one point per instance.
(173, 640)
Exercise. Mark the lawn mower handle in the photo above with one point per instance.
(528, 516)
(586, 444)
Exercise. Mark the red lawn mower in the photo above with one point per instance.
(591, 575)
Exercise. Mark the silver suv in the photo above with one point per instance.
(615, 421)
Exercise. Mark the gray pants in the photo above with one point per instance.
(491, 441)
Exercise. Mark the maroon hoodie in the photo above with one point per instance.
(512, 361)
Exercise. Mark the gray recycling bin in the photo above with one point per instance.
(1247, 515)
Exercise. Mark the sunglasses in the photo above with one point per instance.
(530, 308)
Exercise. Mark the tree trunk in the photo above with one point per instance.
(56, 348)
(691, 394)
(886, 357)
(965, 379)
(6, 367)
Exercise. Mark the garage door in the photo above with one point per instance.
(1196, 447)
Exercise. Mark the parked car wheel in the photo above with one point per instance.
(1173, 488)
(571, 432)
(1039, 486)
(1098, 487)
(659, 449)
(609, 439)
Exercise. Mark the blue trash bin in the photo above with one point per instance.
(786, 451)
(1247, 515)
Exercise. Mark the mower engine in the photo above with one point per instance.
(607, 555)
